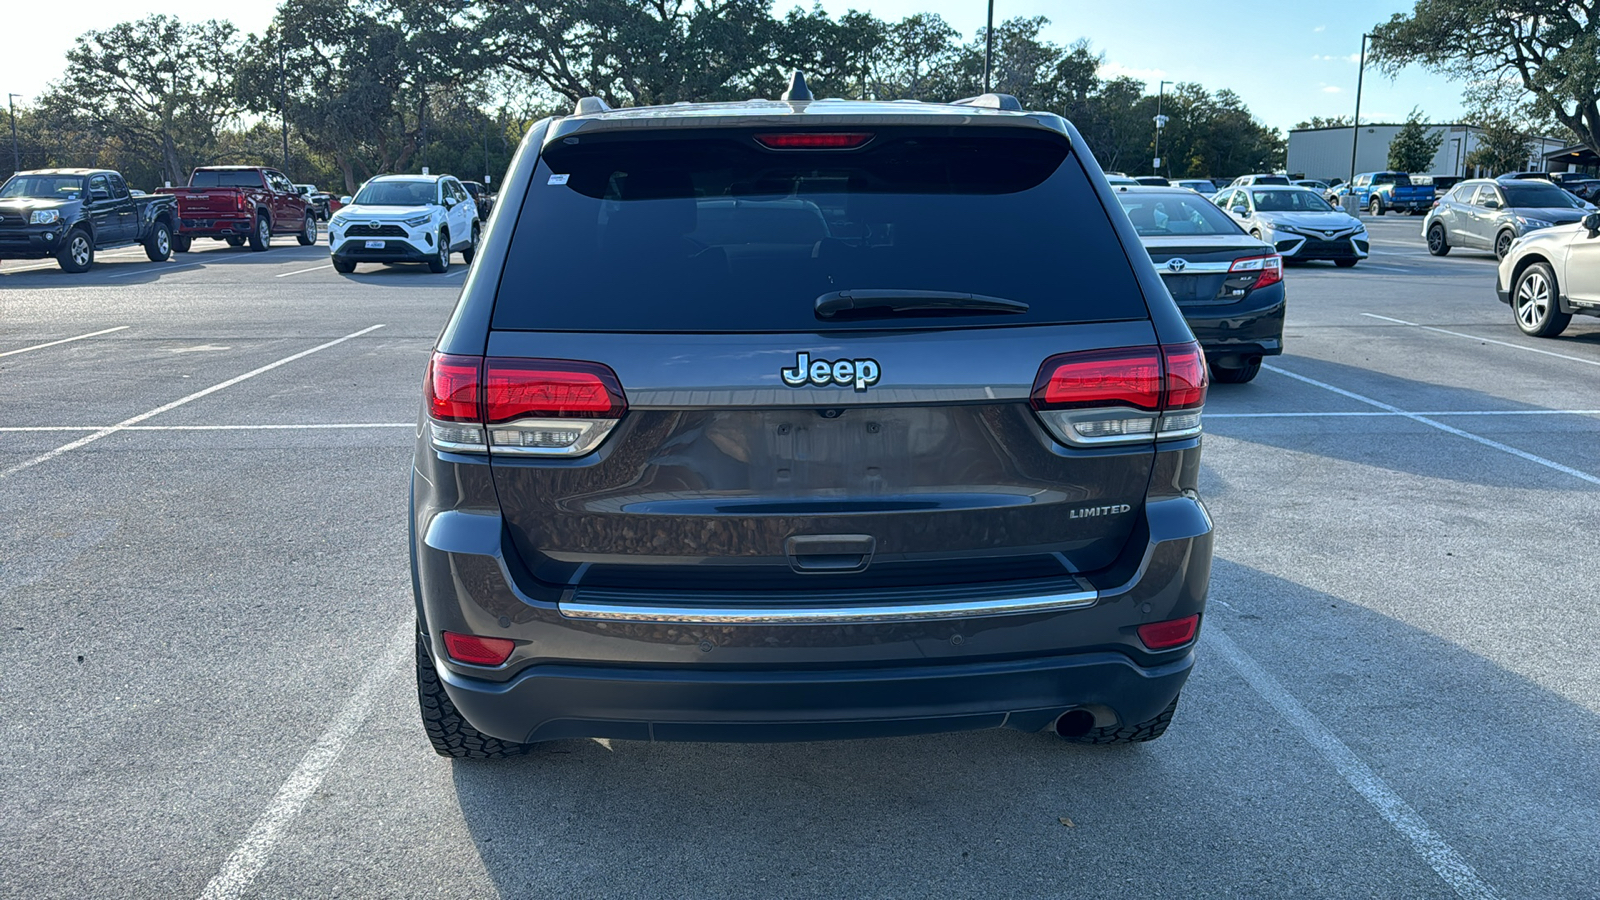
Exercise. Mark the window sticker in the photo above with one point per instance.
(558, 179)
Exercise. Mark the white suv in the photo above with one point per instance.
(405, 218)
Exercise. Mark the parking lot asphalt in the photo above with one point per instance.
(206, 617)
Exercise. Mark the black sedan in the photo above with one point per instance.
(1228, 284)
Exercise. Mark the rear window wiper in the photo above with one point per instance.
(888, 302)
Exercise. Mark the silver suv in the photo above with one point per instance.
(795, 420)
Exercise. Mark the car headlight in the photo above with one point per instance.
(1284, 229)
(1531, 223)
(45, 217)
(416, 221)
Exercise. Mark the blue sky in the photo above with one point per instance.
(1289, 61)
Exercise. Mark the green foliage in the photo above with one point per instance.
(1504, 145)
(1415, 144)
(1321, 122)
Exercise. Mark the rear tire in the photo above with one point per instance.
(1535, 302)
(441, 260)
(180, 244)
(77, 252)
(308, 232)
(472, 248)
(235, 241)
(261, 237)
(1237, 374)
(1129, 734)
(343, 266)
(449, 733)
(158, 246)
(1438, 243)
(1375, 207)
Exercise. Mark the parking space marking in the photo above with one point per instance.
(251, 855)
(320, 425)
(1473, 337)
(64, 340)
(1418, 417)
(1379, 414)
(143, 271)
(303, 271)
(1428, 844)
(126, 423)
(131, 253)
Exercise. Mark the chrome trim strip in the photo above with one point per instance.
(823, 615)
(1195, 268)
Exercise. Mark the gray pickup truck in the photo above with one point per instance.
(69, 214)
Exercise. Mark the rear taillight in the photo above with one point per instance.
(477, 651)
(814, 140)
(1267, 269)
(1169, 634)
(1125, 395)
(241, 201)
(529, 407)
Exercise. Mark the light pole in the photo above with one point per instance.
(16, 154)
(988, 49)
(1161, 122)
(283, 101)
(1355, 124)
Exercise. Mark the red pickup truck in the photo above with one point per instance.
(238, 204)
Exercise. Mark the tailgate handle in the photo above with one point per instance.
(830, 552)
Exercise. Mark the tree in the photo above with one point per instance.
(1551, 49)
(1321, 122)
(1415, 144)
(1503, 146)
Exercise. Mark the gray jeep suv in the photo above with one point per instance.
(795, 420)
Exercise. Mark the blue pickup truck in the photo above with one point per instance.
(1379, 192)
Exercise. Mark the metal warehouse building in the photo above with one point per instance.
(1325, 152)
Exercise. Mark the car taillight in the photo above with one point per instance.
(1268, 269)
(530, 407)
(1125, 395)
(478, 651)
(1169, 634)
(241, 201)
(814, 140)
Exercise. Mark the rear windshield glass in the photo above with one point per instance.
(1533, 195)
(1300, 200)
(1395, 178)
(210, 178)
(1164, 214)
(717, 233)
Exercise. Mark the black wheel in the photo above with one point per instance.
(77, 252)
(158, 246)
(308, 232)
(1129, 734)
(1375, 207)
(472, 248)
(1237, 374)
(441, 260)
(1438, 244)
(450, 733)
(235, 241)
(1346, 263)
(1502, 244)
(261, 237)
(344, 266)
(180, 243)
(1534, 301)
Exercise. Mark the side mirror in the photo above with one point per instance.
(1592, 223)
(1491, 204)
(345, 200)
(98, 194)
(1241, 211)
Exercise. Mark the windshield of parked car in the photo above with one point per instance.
(1163, 214)
(397, 193)
(1536, 195)
(46, 187)
(1290, 201)
(212, 178)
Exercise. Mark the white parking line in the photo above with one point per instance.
(131, 253)
(63, 341)
(1417, 417)
(1473, 337)
(314, 426)
(303, 271)
(145, 271)
(250, 857)
(1393, 415)
(126, 423)
(1395, 810)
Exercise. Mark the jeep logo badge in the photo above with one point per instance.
(862, 373)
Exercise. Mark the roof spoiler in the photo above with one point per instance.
(991, 101)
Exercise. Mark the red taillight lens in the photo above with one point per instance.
(478, 651)
(1186, 375)
(452, 388)
(1129, 376)
(550, 389)
(1268, 269)
(1169, 634)
(814, 140)
(242, 201)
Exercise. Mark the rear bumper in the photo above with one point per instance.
(194, 227)
(1253, 327)
(558, 701)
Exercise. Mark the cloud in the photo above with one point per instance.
(1320, 28)
(1117, 70)
(1332, 89)
(1352, 58)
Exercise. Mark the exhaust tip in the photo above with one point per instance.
(1074, 723)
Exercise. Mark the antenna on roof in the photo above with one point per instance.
(797, 88)
(588, 106)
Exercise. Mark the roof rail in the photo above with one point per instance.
(798, 90)
(588, 106)
(991, 101)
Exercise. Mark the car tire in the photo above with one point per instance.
(158, 246)
(1346, 263)
(1502, 243)
(235, 241)
(1375, 207)
(441, 260)
(261, 235)
(77, 252)
(180, 243)
(472, 248)
(1438, 242)
(344, 266)
(1129, 734)
(1237, 374)
(1536, 304)
(308, 232)
(448, 731)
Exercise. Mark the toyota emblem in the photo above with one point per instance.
(1176, 264)
(374, 224)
